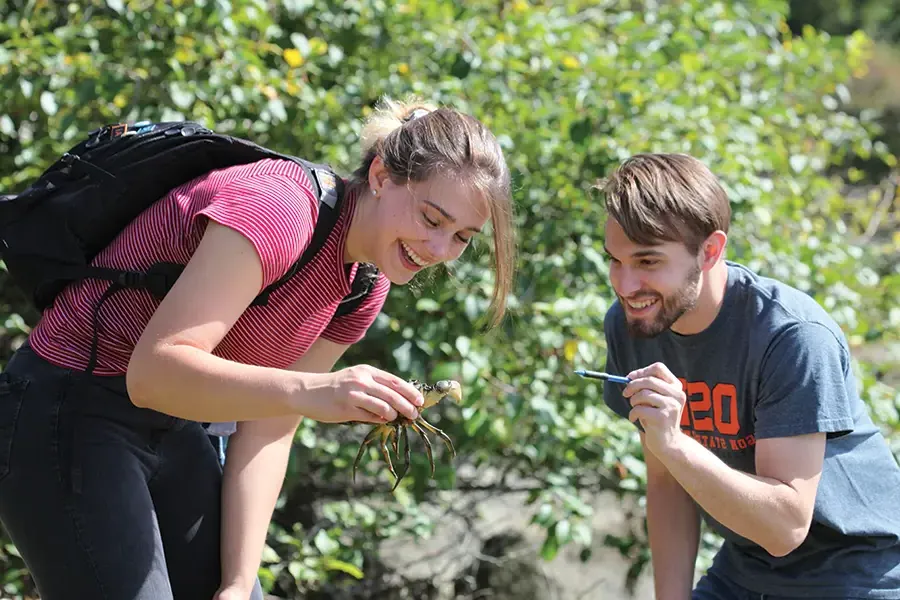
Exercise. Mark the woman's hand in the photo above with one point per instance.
(360, 393)
(233, 593)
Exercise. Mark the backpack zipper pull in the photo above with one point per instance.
(75, 161)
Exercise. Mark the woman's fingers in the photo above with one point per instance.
(393, 398)
(362, 415)
(376, 406)
(382, 393)
(400, 386)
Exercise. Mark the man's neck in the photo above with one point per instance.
(709, 302)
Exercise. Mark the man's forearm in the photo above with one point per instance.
(674, 528)
(760, 509)
(254, 472)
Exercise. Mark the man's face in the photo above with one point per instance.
(655, 284)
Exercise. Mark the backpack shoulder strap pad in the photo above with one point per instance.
(330, 191)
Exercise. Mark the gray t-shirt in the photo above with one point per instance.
(774, 364)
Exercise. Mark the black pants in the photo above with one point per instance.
(714, 585)
(105, 500)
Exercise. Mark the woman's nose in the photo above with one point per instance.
(440, 246)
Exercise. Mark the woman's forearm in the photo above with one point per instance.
(254, 472)
(190, 383)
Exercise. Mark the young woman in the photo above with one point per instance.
(109, 486)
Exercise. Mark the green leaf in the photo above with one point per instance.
(463, 345)
(550, 547)
(7, 127)
(182, 97)
(427, 305)
(562, 530)
(333, 564)
(48, 103)
(325, 543)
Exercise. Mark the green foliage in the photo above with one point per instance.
(570, 89)
(877, 17)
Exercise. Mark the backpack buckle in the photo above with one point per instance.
(117, 130)
(328, 192)
(131, 279)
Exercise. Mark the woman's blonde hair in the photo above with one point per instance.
(416, 140)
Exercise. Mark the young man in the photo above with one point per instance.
(749, 415)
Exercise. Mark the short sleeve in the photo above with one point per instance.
(350, 328)
(276, 213)
(803, 384)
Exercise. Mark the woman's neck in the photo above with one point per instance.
(353, 246)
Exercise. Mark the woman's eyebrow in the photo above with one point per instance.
(447, 215)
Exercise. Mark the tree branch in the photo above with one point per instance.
(887, 198)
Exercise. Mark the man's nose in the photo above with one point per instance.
(629, 282)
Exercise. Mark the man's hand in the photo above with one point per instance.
(657, 399)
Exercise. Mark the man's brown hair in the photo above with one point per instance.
(666, 197)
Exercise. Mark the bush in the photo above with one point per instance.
(570, 89)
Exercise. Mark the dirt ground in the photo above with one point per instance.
(457, 545)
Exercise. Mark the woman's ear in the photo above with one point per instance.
(377, 175)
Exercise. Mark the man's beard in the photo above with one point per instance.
(672, 308)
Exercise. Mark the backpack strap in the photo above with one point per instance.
(161, 276)
(330, 191)
(366, 276)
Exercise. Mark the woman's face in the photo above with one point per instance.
(415, 226)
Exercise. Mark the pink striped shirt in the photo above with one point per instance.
(272, 203)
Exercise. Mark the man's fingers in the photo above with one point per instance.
(653, 384)
(658, 370)
(648, 398)
(644, 383)
(640, 413)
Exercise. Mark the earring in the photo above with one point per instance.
(374, 192)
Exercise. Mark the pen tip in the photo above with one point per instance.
(579, 371)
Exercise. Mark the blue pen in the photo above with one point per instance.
(606, 376)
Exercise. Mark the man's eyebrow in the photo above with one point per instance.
(447, 215)
(639, 253)
(643, 253)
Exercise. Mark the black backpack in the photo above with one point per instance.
(50, 232)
